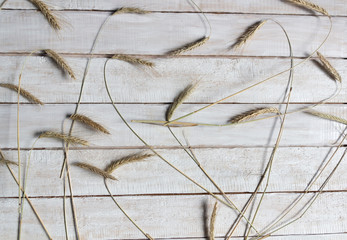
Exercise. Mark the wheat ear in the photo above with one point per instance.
(329, 68)
(89, 122)
(61, 62)
(22, 92)
(179, 100)
(310, 6)
(44, 9)
(248, 34)
(327, 116)
(130, 10)
(133, 60)
(252, 114)
(126, 160)
(213, 222)
(95, 170)
(66, 138)
(189, 46)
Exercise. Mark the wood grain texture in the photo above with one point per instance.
(294, 167)
(162, 32)
(335, 7)
(301, 129)
(217, 77)
(177, 216)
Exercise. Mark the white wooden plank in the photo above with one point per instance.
(335, 7)
(300, 129)
(177, 216)
(218, 77)
(236, 170)
(23, 31)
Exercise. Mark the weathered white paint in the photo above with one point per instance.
(176, 216)
(159, 33)
(301, 129)
(218, 77)
(236, 170)
(334, 7)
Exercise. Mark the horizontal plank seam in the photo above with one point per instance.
(160, 56)
(175, 12)
(175, 194)
(167, 103)
(171, 147)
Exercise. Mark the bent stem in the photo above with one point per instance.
(124, 212)
(152, 149)
(258, 83)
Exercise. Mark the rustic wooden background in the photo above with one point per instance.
(162, 202)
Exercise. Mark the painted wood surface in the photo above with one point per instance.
(217, 77)
(158, 33)
(334, 7)
(162, 201)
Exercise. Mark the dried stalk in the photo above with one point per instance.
(310, 6)
(131, 59)
(95, 170)
(179, 100)
(252, 114)
(43, 7)
(126, 160)
(248, 34)
(189, 46)
(61, 62)
(22, 92)
(65, 138)
(89, 122)
(329, 68)
(7, 162)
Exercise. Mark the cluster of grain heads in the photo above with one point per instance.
(179, 100)
(126, 160)
(30, 97)
(95, 170)
(133, 60)
(251, 114)
(248, 34)
(64, 137)
(310, 6)
(61, 62)
(329, 68)
(45, 10)
(189, 46)
(89, 122)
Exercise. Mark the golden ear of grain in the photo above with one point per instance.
(66, 138)
(327, 116)
(61, 62)
(212, 222)
(189, 46)
(130, 10)
(248, 34)
(126, 160)
(310, 6)
(43, 7)
(4, 161)
(131, 59)
(329, 68)
(89, 122)
(95, 170)
(252, 114)
(179, 100)
(22, 92)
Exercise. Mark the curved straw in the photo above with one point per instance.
(123, 211)
(156, 153)
(258, 83)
